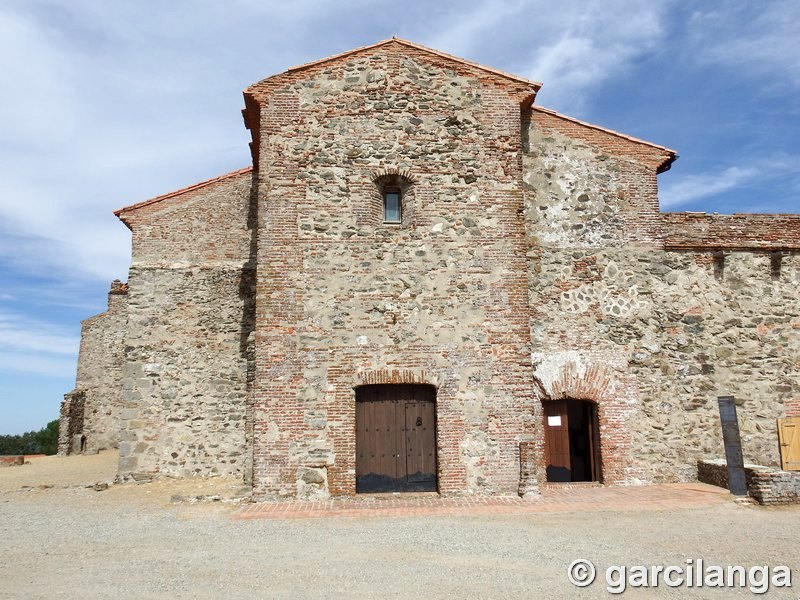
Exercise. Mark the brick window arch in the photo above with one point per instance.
(393, 201)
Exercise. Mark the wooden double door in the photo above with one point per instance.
(395, 438)
(572, 443)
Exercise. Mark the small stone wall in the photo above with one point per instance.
(90, 414)
(764, 484)
(776, 487)
(71, 422)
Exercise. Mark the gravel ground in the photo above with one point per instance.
(129, 541)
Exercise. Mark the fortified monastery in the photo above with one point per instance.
(427, 282)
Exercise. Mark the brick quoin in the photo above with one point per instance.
(793, 407)
(532, 265)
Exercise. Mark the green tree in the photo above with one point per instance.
(48, 438)
(44, 441)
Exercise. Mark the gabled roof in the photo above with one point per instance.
(521, 88)
(534, 85)
(120, 212)
(526, 89)
(630, 138)
(670, 155)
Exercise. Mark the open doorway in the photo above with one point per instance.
(572, 441)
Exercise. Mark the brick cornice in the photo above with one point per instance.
(703, 231)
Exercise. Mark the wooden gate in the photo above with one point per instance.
(789, 439)
(395, 438)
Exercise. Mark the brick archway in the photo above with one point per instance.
(399, 179)
(572, 441)
(573, 375)
(395, 376)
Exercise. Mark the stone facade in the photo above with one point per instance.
(531, 264)
(90, 414)
(341, 295)
(188, 341)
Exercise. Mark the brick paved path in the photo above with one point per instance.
(552, 499)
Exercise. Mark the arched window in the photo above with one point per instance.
(392, 205)
(393, 202)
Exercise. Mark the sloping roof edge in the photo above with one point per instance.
(672, 154)
(181, 191)
(534, 84)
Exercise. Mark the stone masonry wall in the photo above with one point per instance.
(774, 487)
(344, 300)
(189, 342)
(100, 367)
(70, 422)
(674, 337)
(652, 336)
(99, 378)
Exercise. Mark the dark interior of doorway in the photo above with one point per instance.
(572, 441)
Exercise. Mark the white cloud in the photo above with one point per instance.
(37, 364)
(21, 334)
(31, 346)
(694, 187)
(752, 38)
(35, 83)
(571, 46)
(87, 131)
(467, 26)
(580, 45)
(685, 189)
(107, 104)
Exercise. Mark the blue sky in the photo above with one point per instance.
(103, 104)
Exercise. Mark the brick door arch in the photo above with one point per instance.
(575, 375)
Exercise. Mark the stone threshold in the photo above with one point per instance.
(577, 499)
(570, 485)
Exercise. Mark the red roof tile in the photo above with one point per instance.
(190, 188)
(611, 131)
(395, 40)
